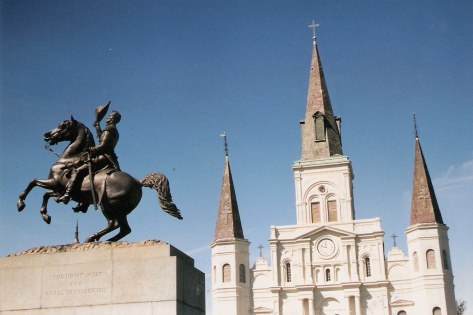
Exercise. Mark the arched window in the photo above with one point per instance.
(337, 274)
(315, 209)
(367, 267)
(328, 276)
(242, 274)
(445, 259)
(415, 260)
(332, 210)
(215, 274)
(226, 273)
(436, 311)
(430, 256)
(288, 272)
(401, 313)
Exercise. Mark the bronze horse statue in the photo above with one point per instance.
(117, 192)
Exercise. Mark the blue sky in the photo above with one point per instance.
(183, 72)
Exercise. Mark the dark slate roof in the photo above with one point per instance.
(425, 208)
(318, 101)
(228, 224)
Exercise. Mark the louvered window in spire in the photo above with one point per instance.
(319, 119)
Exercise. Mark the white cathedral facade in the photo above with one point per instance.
(329, 262)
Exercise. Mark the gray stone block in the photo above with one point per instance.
(149, 277)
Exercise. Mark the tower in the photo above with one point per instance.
(427, 242)
(230, 253)
(323, 176)
(319, 264)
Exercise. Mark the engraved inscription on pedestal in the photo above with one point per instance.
(74, 285)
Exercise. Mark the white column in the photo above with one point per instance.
(301, 303)
(347, 273)
(354, 264)
(276, 265)
(311, 307)
(308, 267)
(357, 305)
(386, 304)
(301, 276)
(347, 304)
(314, 306)
(299, 203)
(276, 306)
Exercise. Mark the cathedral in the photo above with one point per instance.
(329, 262)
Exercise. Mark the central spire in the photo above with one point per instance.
(320, 128)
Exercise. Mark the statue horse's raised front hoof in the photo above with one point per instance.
(20, 204)
(46, 218)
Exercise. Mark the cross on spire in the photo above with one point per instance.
(224, 136)
(313, 26)
(260, 250)
(226, 211)
(415, 127)
(394, 236)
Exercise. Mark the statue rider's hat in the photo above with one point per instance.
(101, 111)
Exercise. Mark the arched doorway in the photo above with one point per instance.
(330, 306)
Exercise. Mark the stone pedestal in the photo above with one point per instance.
(146, 278)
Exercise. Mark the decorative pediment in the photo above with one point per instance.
(262, 310)
(325, 230)
(402, 302)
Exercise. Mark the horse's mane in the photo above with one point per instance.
(90, 138)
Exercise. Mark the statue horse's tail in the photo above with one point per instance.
(160, 183)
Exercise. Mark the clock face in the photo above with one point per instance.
(326, 247)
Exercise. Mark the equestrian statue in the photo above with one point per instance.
(90, 174)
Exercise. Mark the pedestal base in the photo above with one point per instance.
(146, 278)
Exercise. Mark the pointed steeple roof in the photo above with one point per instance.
(320, 129)
(228, 224)
(76, 234)
(425, 208)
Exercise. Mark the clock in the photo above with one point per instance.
(326, 247)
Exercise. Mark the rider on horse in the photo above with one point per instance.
(102, 157)
(118, 192)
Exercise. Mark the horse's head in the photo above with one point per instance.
(66, 131)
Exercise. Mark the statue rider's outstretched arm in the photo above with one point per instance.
(98, 130)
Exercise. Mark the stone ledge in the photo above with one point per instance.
(84, 247)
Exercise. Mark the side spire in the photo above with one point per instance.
(76, 234)
(424, 208)
(228, 224)
(320, 129)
